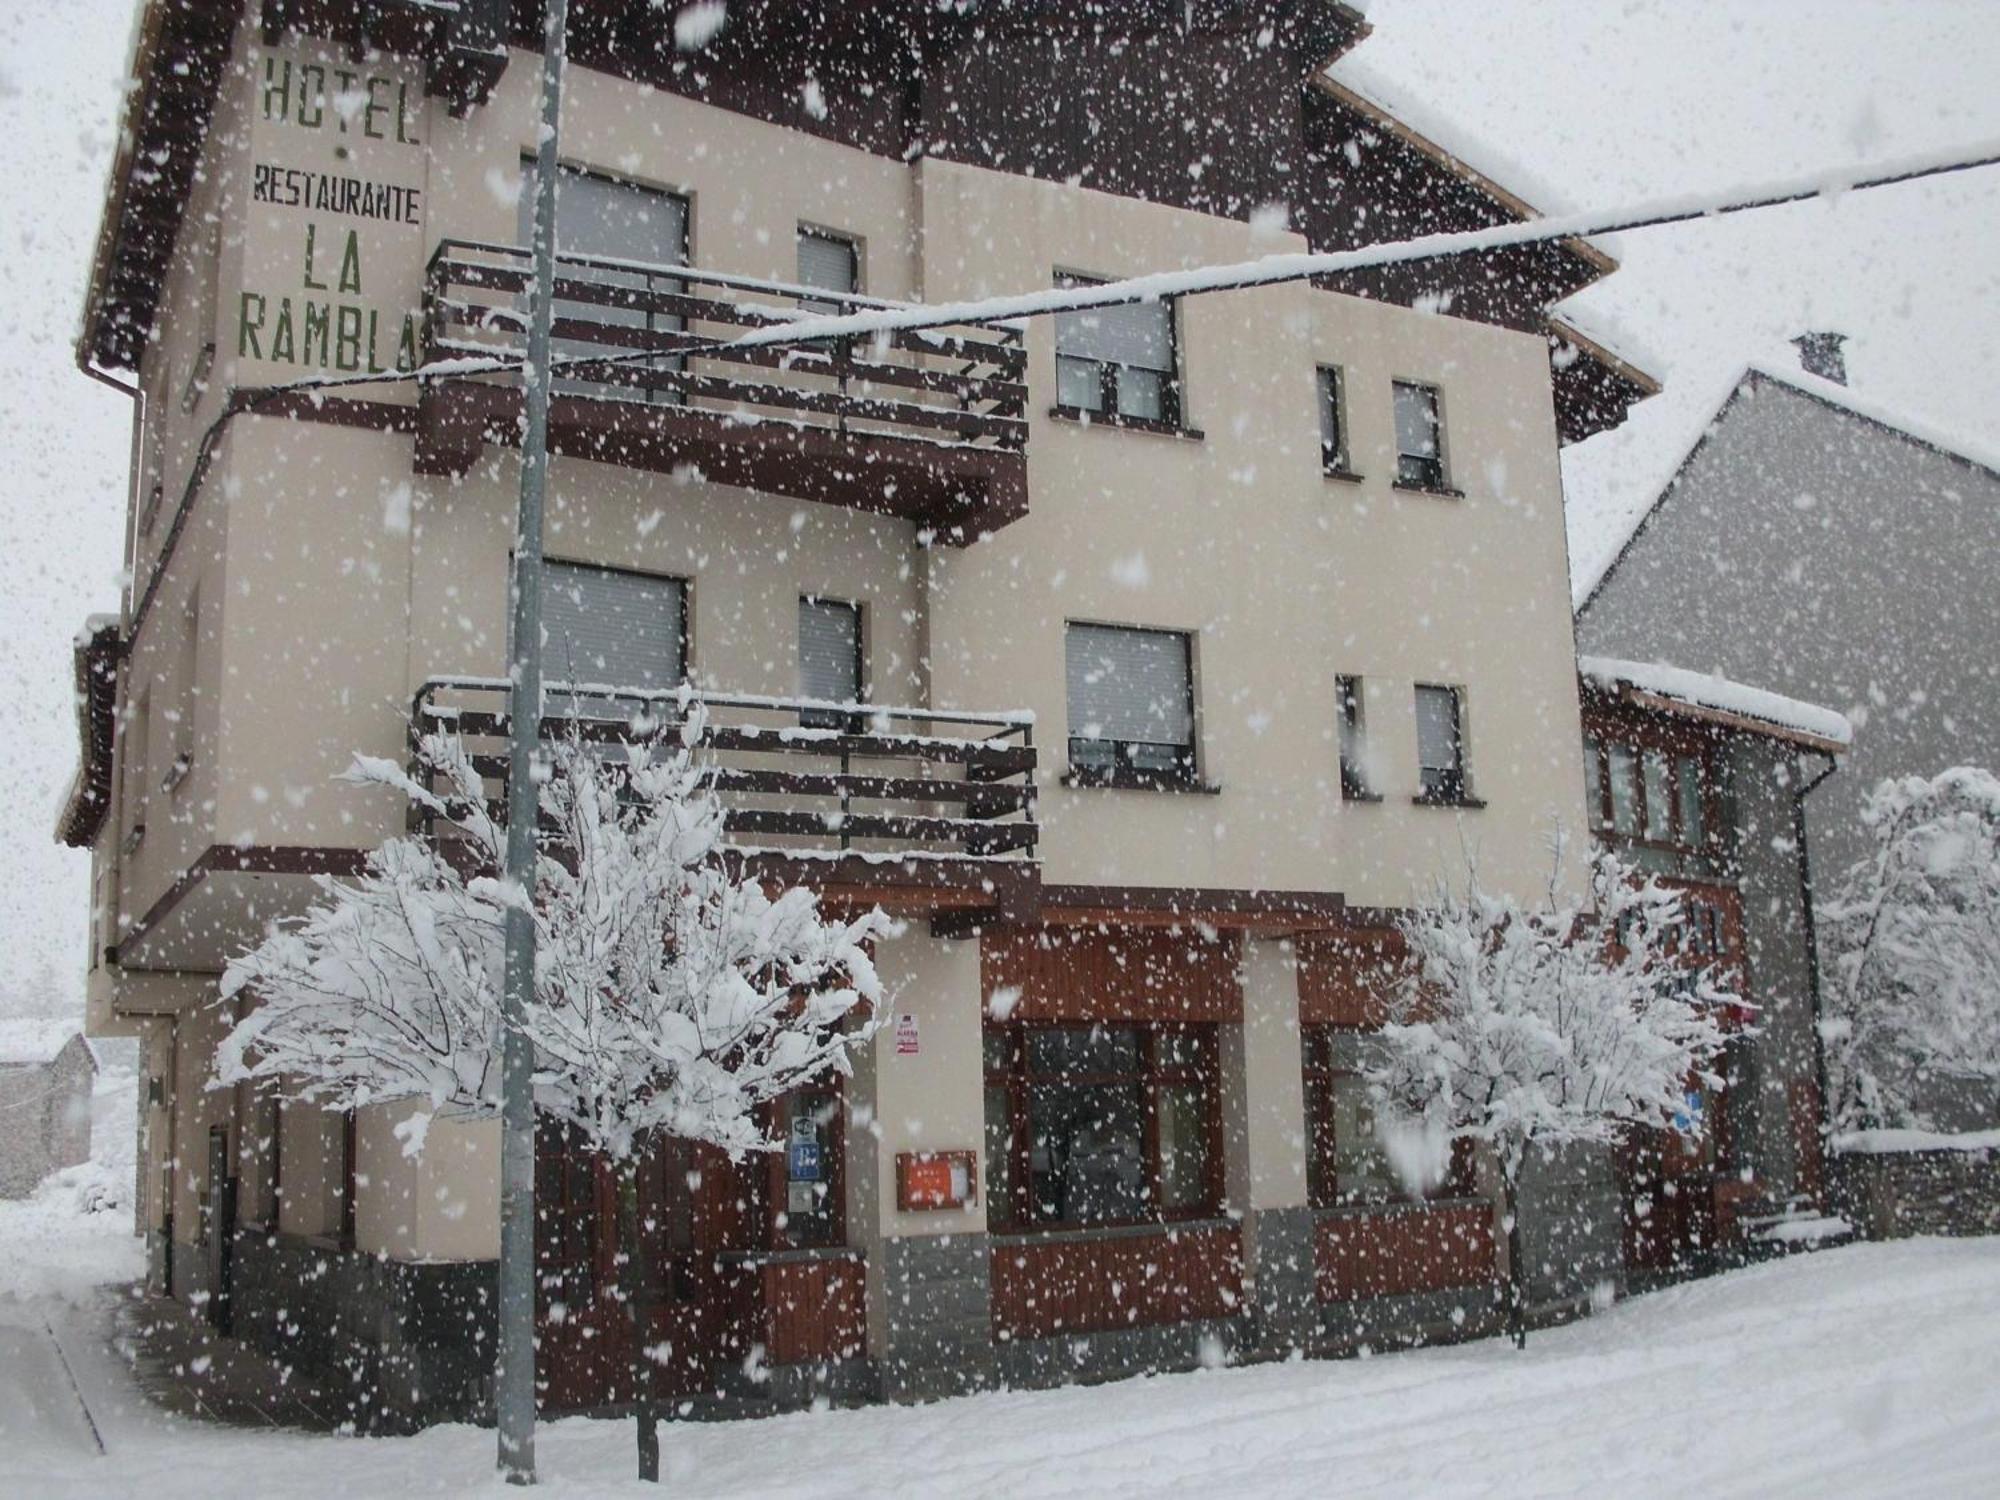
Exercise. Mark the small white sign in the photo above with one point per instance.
(907, 1044)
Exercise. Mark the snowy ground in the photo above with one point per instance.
(1872, 1370)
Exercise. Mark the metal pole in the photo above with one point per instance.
(514, 1372)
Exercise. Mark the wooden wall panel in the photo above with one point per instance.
(1122, 1281)
(1137, 974)
(1425, 1247)
(813, 1309)
(1345, 978)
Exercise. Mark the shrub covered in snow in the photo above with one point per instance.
(673, 997)
(1546, 1024)
(1914, 935)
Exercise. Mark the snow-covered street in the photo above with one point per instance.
(1871, 1370)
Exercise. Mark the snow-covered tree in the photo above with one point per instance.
(1915, 941)
(673, 997)
(1536, 1026)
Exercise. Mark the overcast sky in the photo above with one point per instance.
(1602, 101)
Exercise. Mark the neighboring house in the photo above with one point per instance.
(1703, 783)
(46, 1072)
(1153, 660)
(1822, 546)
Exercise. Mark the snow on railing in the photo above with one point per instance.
(803, 778)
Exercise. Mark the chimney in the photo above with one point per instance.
(1821, 356)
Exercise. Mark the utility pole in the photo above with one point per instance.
(514, 1372)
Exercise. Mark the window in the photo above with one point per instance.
(833, 263)
(1593, 784)
(1653, 799)
(598, 220)
(1419, 437)
(186, 670)
(829, 660)
(136, 727)
(612, 629)
(1353, 740)
(1333, 453)
(1441, 745)
(829, 262)
(1346, 1161)
(1118, 361)
(1091, 1125)
(1131, 705)
(267, 1155)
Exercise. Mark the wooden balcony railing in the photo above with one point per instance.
(827, 794)
(930, 425)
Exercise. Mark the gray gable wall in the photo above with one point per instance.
(1813, 552)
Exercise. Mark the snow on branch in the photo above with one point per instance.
(1548, 1023)
(1914, 934)
(671, 996)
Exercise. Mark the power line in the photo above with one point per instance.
(1270, 270)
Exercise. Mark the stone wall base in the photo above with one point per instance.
(938, 1329)
(1401, 1322)
(1572, 1219)
(401, 1345)
(1087, 1358)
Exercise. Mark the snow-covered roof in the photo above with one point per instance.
(35, 1039)
(1888, 1142)
(1831, 393)
(1442, 137)
(1705, 690)
(1835, 394)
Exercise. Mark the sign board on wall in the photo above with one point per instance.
(333, 239)
(907, 1042)
(936, 1179)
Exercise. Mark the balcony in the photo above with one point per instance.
(929, 426)
(920, 810)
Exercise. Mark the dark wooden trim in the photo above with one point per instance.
(1437, 492)
(1050, 1285)
(1149, 1074)
(1642, 705)
(96, 664)
(1397, 1249)
(1468, 803)
(350, 1176)
(1198, 903)
(256, 859)
(1141, 973)
(959, 492)
(1345, 976)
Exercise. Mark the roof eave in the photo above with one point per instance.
(145, 51)
(1600, 262)
(1729, 721)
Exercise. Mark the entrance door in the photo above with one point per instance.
(219, 1227)
(691, 1204)
(579, 1326)
(1667, 1187)
(694, 1202)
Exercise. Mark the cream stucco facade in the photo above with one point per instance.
(297, 580)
